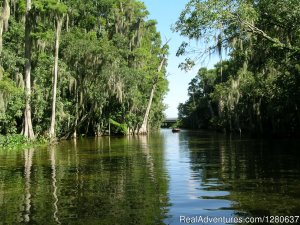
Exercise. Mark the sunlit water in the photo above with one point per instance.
(149, 180)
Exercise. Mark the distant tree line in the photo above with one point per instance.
(257, 89)
(73, 67)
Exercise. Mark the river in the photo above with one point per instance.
(163, 178)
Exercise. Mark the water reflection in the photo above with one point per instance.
(89, 181)
(54, 186)
(149, 179)
(244, 177)
(143, 141)
(214, 175)
(28, 155)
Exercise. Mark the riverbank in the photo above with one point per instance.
(249, 134)
(17, 141)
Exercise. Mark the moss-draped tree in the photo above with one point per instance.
(257, 89)
(85, 64)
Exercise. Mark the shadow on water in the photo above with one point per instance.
(151, 179)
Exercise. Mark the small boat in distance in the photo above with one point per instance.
(175, 130)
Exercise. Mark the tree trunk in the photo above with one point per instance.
(74, 135)
(1, 33)
(108, 127)
(143, 129)
(211, 110)
(4, 17)
(27, 125)
(57, 37)
(76, 115)
(67, 23)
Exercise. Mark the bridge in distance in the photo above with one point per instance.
(168, 122)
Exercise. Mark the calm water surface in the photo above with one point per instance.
(149, 180)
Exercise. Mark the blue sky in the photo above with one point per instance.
(166, 12)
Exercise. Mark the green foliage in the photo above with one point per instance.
(177, 124)
(10, 141)
(18, 141)
(121, 127)
(11, 105)
(108, 59)
(257, 89)
(49, 6)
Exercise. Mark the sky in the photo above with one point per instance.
(166, 13)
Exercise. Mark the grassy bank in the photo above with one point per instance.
(17, 141)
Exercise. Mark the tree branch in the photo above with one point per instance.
(255, 30)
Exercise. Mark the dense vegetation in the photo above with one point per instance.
(71, 67)
(257, 88)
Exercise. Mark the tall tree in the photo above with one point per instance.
(27, 126)
(143, 129)
(59, 9)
